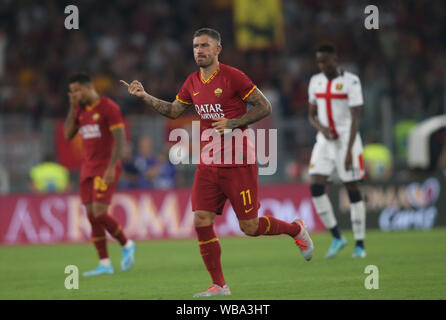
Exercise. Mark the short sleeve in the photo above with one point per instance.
(242, 84)
(184, 95)
(311, 92)
(355, 93)
(114, 117)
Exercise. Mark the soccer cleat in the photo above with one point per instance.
(128, 257)
(214, 290)
(359, 252)
(101, 269)
(335, 247)
(303, 241)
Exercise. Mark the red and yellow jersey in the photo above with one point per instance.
(95, 124)
(223, 95)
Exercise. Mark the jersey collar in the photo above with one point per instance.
(93, 105)
(211, 77)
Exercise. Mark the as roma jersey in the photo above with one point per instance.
(95, 123)
(223, 95)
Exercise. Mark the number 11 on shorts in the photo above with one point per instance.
(245, 193)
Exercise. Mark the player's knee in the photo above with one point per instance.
(203, 219)
(317, 190)
(99, 209)
(354, 195)
(249, 227)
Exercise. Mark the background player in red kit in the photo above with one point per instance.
(220, 94)
(98, 120)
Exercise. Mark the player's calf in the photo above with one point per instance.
(270, 226)
(250, 226)
(358, 219)
(324, 209)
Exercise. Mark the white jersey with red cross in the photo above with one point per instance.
(334, 98)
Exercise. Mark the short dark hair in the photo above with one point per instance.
(327, 48)
(214, 34)
(81, 77)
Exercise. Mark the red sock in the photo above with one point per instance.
(271, 226)
(112, 226)
(98, 237)
(211, 252)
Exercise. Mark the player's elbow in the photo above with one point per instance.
(267, 108)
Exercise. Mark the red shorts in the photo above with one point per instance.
(93, 189)
(213, 185)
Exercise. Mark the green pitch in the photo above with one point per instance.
(411, 266)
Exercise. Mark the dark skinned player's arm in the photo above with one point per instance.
(70, 127)
(356, 116)
(312, 117)
(118, 148)
(261, 108)
(171, 110)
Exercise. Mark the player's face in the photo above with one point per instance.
(206, 50)
(80, 92)
(326, 62)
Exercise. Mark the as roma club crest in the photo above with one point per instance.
(218, 92)
(96, 116)
(339, 86)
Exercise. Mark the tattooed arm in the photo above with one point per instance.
(170, 110)
(261, 108)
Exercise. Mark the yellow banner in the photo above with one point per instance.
(258, 24)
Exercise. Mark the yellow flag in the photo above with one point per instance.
(258, 24)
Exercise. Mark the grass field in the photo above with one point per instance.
(412, 265)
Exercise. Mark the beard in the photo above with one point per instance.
(204, 63)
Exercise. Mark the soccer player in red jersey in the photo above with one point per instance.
(99, 121)
(220, 95)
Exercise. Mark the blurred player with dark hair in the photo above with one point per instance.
(220, 94)
(335, 101)
(99, 121)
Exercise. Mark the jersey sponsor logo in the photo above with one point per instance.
(210, 111)
(90, 131)
(218, 92)
(96, 116)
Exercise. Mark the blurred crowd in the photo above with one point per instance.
(145, 169)
(403, 61)
(151, 41)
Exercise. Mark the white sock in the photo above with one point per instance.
(128, 244)
(105, 262)
(325, 210)
(357, 216)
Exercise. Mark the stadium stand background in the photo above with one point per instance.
(401, 66)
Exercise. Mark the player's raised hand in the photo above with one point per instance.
(135, 88)
(74, 101)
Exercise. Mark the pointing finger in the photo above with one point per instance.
(124, 83)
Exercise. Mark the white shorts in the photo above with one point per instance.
(328, 157)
